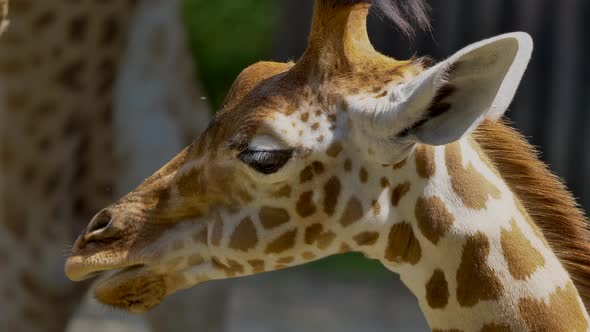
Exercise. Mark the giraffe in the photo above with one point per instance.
(349, 150)
(65, 95)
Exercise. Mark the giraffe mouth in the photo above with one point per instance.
(135, 289)
(78, 268)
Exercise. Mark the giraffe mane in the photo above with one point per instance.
(545, 197)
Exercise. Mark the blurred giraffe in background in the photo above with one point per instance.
(72, 76)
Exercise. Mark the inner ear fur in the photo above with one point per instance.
(479, 81)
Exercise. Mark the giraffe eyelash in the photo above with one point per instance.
(265, 161)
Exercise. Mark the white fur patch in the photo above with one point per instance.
(266, 143)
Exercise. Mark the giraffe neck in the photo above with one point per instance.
(466, 248)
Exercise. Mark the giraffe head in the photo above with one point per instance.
(290, 170)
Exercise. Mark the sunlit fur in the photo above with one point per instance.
(545, 197)
(448, 219)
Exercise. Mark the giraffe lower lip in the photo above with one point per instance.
(134, 288)
(80, 269)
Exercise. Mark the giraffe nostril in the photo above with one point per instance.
(100, 227)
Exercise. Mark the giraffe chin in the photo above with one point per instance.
(134, 289)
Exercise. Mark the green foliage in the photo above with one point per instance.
(226, 36)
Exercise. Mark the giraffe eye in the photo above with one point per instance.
(265, 161)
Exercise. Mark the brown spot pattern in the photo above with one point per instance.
(476, 281)
(366, 238)
(244, 236)
(271, 217)
(425, 163)
(334, 149)
(352, 213)
(472, 187)
(402, 245)
(245, 196)
(520, 255)
(325, 239)
(347, 165)
(231, 269)
(561, 314)
(318, 167)
(492, 327)
(312, 232)
(437, 290)
(399, 192)
(316, 234)
(283, 192)
(434, 220)
(331, 194)
(308, 255)
(363, 175)
(282, 243)
(286, 260)
(257, 265)
(306, 174)
(305, 206)
(344, 248)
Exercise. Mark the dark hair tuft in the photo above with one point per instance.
(404, 13)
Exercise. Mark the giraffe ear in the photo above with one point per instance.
(450, 99)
